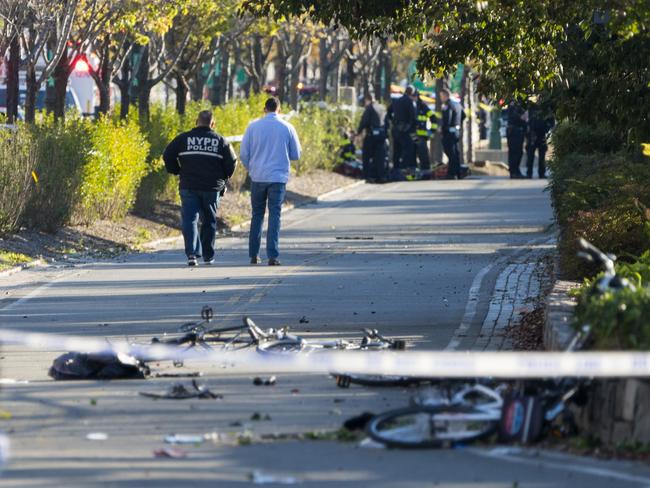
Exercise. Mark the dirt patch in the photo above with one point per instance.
(104, 239)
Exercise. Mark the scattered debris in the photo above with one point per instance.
(260, 478)
(336, 411)
(258, 417)
(97, 436)
(270, 381)
(369, 443)
(184, 439)
(295, 391)
(97, 366)
(195, 374)
(355, 238)
(178, 391)
(5, 415)
(303, 320)
(170, 452)
(93, 402)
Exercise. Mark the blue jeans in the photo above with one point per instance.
(203, 204)
(262, 194)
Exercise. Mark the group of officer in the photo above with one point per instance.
(411, 123)
(532, 126)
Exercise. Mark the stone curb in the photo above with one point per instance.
(32, 264)
(558, 316)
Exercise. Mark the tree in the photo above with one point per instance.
(257, 48)
(518, 47)
(44, 30)
(333, 43)
(202, 47)
(294, 46)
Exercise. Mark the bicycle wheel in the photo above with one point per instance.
(430, 427)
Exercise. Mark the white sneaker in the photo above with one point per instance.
(191, 261)
(209, 261)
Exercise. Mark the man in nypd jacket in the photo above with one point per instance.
(204, 161)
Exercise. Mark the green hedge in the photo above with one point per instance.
(89, 170)
(112, 170)
(82, 171)
(619, 319)
(599, 191)
(17, 160)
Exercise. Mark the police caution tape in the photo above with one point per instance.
(420, 364)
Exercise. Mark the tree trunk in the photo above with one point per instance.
(61, 76)
(143, 87)
(293, 90)
(349, 75)
(436, 143)
(324, 69)
(13, 83)
(31, 89)
(181, 94)
(281, 78)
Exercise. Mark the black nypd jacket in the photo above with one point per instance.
(202, 158)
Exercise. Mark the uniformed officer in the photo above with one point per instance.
(451, 120)
(515, 133)
(539, 125)
(204, 161)
(426, 123)
(372, 124)
(402, 119)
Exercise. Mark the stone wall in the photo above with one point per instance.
(618, 409)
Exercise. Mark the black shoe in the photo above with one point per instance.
(274, 262)
(256, 260)
(529, 177)
(192, 261)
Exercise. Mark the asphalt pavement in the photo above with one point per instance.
(412, 259)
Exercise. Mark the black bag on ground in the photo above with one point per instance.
(97, 366)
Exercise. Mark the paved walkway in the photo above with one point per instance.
(414, 260)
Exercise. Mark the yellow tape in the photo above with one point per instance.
(35, 177)
(646, 148)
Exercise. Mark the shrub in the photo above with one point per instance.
(17, 159)
(112, 171)
(572, 137)
(619, 319)
(61, 149)
(598, 194)
(319, 130)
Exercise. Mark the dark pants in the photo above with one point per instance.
(541, 158)
(422, 149)
(452, 151)
(194, 205)
(403, 150)
(262, 194)
(374, 157)
(515, 151)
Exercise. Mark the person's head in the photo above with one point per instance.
(272, 105)
(444, 95)
(205, 119)
(368, 99)
(410, 91)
